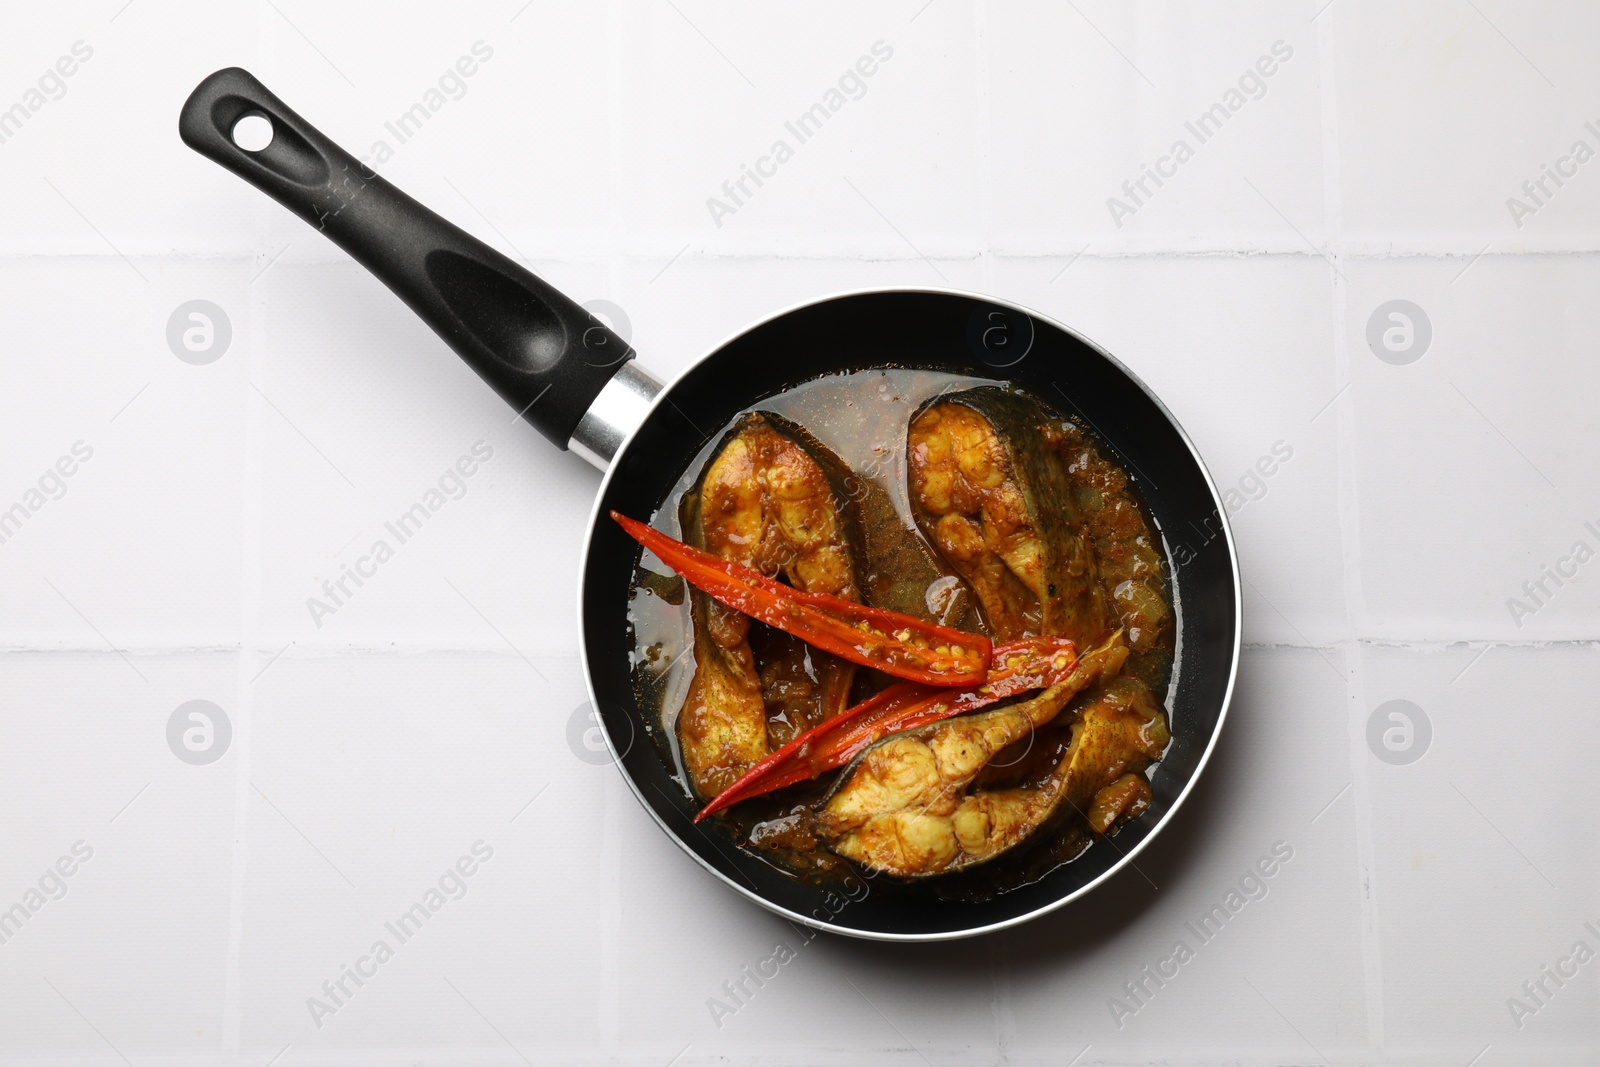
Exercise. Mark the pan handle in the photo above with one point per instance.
(545, 355)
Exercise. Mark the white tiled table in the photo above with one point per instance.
(371, 752)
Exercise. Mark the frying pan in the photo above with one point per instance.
(578, 384)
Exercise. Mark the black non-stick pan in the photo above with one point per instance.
(578, 385)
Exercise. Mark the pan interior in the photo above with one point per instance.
(951, 334)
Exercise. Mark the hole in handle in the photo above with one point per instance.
(252, 132)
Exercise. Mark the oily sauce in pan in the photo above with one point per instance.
(863, 419)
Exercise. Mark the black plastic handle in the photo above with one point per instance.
(548, 357)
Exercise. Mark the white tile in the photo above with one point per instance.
(136, 945)
(108, 139)
(703, 101)
(353, 819)
(143, 543)
(1484, 861)
(1084, 97)
(1471, 462)
(1445, 110)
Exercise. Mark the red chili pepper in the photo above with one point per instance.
(1031, 663)
(889, 641)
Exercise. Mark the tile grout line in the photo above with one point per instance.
(250, 518)
(1357, 615)
(1366, 849)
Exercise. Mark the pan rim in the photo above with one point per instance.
(1125, 858)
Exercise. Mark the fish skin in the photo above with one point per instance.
(904, 806)
(992, 496)
(776, 504)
